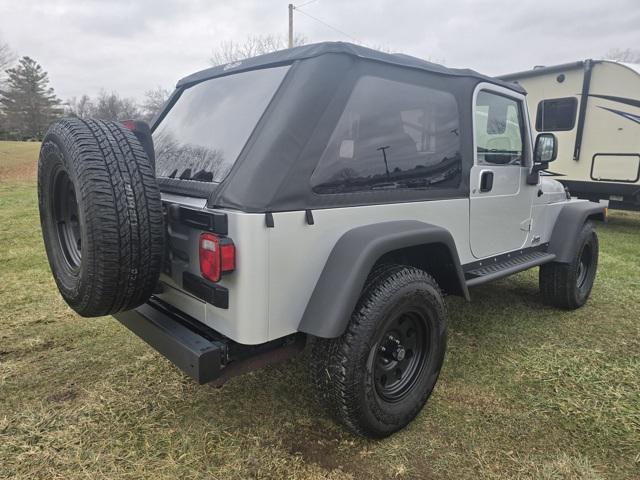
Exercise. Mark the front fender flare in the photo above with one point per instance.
(353, 256)
(568, 225)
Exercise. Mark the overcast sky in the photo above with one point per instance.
(134, 45)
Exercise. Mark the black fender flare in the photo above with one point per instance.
(568, 225)
(353, 256)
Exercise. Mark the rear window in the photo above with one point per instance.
(202, 135)
(556, 114)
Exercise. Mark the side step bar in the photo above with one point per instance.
(498, 268)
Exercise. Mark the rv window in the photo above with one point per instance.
(392, 135)
(499, 132)
(556, 114)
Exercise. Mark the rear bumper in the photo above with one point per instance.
(200, 352)
(197, 353)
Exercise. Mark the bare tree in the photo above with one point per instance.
(110, 106)
(627, 55)
(82, 107)
(231, 51)
(7, 58)
(153, 102)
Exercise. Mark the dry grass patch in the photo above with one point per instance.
(18, 162)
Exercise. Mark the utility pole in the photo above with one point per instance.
(291, 25)
(384, 157)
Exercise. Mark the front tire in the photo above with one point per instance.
(377, 376)
(568, 285)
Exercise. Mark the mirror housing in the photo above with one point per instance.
(545, 151)
(546, 148)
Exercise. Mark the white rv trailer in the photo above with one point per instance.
(593, 108)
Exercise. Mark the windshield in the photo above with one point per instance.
(202, 135)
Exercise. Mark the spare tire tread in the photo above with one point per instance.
(136, 251)
(122, 232)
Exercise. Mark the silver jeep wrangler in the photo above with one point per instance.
(328, 193)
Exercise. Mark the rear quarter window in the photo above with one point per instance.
(203, 133)
(392, 135)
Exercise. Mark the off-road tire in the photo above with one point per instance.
(101, 216)
(568, 285)
(344, 369)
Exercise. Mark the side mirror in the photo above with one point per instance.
(545, 151)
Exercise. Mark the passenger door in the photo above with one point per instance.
(500, 199)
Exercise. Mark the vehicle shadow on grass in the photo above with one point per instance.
(277, 404)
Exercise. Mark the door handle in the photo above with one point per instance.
(486, 181)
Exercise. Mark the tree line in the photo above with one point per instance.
(29, 104)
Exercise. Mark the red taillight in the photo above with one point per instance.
(227, 256)
(217, 255)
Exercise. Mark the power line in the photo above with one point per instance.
(303, 4)
(326, 24)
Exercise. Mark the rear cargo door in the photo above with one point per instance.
(185, 220)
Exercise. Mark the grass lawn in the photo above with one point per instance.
(526, 391)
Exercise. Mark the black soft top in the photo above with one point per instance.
(272, 172)
(290, 55)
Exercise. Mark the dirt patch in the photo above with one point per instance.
(68, 394)
(313, 444)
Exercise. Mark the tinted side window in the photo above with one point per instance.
(556, 114)
(392, 135)
(499, 133)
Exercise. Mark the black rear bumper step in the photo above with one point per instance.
(198, 356)
(200, 352)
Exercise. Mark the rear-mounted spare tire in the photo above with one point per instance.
(101, 216)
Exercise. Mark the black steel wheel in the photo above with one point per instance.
(66, 217)
(568, 285)
(400, 355)
(377, 376)
(585, 266)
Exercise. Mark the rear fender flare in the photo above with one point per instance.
(353, 256)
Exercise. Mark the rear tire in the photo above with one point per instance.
(101, 216)
(377, 376)
(568, 285)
